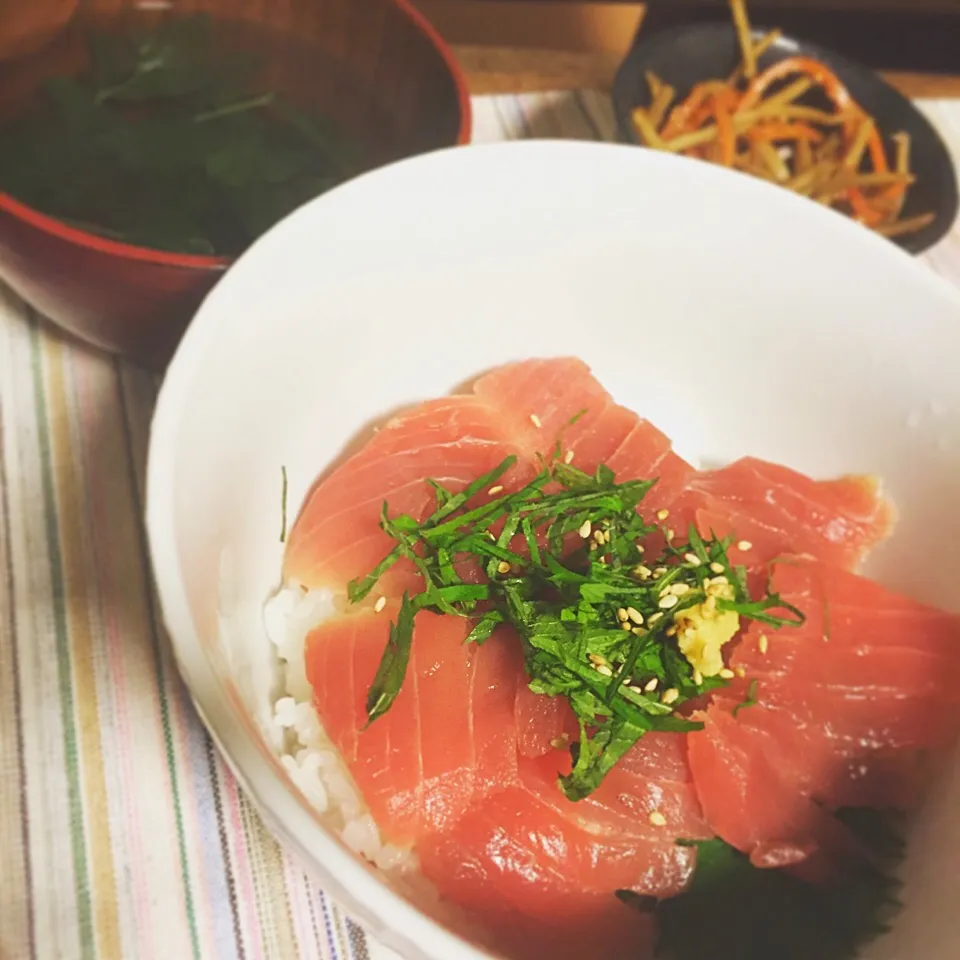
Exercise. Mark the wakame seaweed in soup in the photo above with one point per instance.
(163, 143)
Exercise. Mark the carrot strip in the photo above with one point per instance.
(726, 136)
(819, 73)
(863, 210)
(878, 155)
(723, 98)
(682, 115)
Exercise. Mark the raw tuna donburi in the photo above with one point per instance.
(539, 663)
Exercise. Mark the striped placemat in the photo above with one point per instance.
(122, 834)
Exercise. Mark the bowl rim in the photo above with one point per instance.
(620, 96)
(282, 805)
(134, 252)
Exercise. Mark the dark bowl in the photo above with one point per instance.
(687, 55)
(375, 67)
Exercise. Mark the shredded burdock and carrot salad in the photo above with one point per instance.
(793, 123)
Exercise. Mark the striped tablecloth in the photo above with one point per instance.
(122, 834)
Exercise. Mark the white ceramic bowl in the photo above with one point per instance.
(738, 317)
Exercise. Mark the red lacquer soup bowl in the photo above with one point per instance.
(376, 68)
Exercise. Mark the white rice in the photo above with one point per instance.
(310, 758)
(316, 768)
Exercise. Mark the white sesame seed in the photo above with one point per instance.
(622, 614)
(657, 818)
(598, 536)
(697, 677)
(635, 615)
(503, 567)
(625, 625)
(663, 514)
(558, 743)
(568, 457)
(740, 672)
(692, 558)
(651, 685)
(763, 644)
(710, 604)
(679, 589)
(493, 491)
(670, 696)
(668, 601)
(603, 670)
(653, 618)
(585, 529)
(380, 604)
(660, 571)
(641, 548)
(727, 673)
(644, 573)
(638, 631)
(744, 546)
(717, 567)
(672, 631)
(595, 658)
(535, 420)
(719, 581)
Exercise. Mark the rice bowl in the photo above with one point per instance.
(239, 520)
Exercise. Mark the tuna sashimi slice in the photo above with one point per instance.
(646, 453)
(448, 739)
(778, 510)
(523, 409)
(539, 886)
(441, 771)
(652, 780)
(543, 723)
(827, 770)
(847, 706)
(751, 805)
(542, 885)
(536, 400)
(337, 535)
(651, 791)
